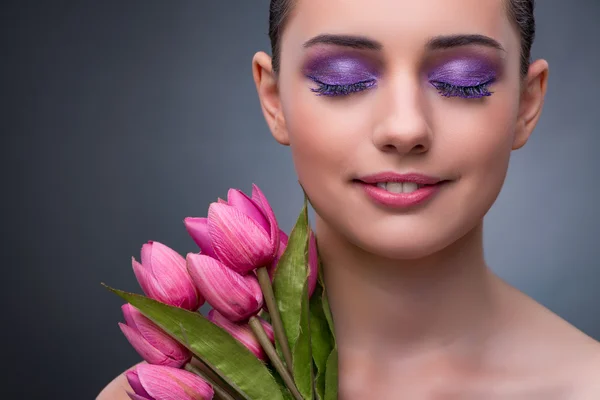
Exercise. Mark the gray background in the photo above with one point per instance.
(120, 118)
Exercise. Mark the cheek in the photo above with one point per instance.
(476, 138)
(324, 136)
(479, 133)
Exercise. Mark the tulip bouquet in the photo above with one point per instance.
(269, 334)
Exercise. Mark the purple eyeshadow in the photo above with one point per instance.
(340, 70)
(464, 72)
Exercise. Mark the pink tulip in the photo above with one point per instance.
(242, 232)
(163, 276)
(313, 260)
(283, 241)
(235, 296)
(152, 343)
(243, 333)
(156, 382)
(198, 230)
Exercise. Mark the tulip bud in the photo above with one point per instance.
(198, 230)
(155, 382)
(152, 343)
(313, 260)
(243, 333)
(163, 276)
(243, 232)
(235, 296)
(283, 241)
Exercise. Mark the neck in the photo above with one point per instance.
(390, 308)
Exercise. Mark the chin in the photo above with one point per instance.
(414, 240)
(404, 248)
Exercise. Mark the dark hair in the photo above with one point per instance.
(519, 11)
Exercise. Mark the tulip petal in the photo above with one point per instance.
(268, 329)
(166, 383)
(261, 201)
(146, 253)
(245, 204)
(239, 242)
(134, 381)
(156, 337)
(134, 396)
(171, 283)
(144, 349)
(235, 296)
(283, 241)
(128, 311)
(144, 278)
(243, 333)
(168, 346)
(198, 230)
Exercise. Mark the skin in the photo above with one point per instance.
(418, 312)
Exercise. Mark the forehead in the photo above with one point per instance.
(400, 24)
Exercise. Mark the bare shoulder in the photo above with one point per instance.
(116, 390)
(588, 387)
(555, 352)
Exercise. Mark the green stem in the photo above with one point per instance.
(265, 284)
(220, 393)
(267, 346)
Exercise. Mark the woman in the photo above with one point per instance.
(401, 117)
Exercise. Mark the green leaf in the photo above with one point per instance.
(321, 338)
(284, 390)
(231, 360)
(301, 353)
(328, 379)
(290, 276)
(320, 384)
(291, 293)
(331, 376)
(325, 301)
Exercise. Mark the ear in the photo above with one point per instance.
(531, 102)
(268, 94)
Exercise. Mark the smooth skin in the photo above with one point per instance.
(418, 312)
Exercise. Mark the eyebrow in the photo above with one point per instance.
(355, 42)
(448, 42)
(435, 43)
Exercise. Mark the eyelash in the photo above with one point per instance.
(443, 88)
(466, 92)
(341, 90)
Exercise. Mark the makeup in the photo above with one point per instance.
(463, 76)
(400, 200)
(400, 190)
(340, 73)
(463, 72)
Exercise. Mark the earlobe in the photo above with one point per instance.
(531, 102)
(268, 94)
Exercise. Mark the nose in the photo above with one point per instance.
(401, 124)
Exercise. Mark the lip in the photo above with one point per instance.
(417, 178)
(400, 200)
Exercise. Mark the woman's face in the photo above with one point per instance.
(429, 87)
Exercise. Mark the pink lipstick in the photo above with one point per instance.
(400, 190)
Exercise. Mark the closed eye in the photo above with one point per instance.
(324, 89)
(466, 92)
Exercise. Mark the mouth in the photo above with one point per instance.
(401, 187)
(400, 183)
(400, 191)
